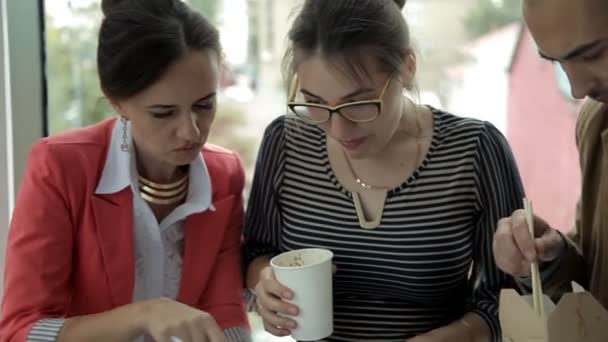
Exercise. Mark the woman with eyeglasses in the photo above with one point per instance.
(130, 229)
(406, 196)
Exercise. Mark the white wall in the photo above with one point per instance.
(482, 90)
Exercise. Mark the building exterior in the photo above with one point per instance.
(540, 128)
(438, 35)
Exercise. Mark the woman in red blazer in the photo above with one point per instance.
(125, 230)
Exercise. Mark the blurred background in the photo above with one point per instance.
(476, 59)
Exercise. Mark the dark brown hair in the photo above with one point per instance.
(140, 39)
(343, 30)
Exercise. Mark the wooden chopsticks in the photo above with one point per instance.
(537, 288)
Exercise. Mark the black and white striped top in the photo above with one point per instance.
(428, 263)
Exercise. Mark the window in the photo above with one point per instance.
(21, 98)
(475, 59)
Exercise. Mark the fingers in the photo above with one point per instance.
(522, 237)
(550, 246)
(270, 292)
(547, 243)
(507, 255)
(214, 332)
(272, 318)
(276, 331)
(271, 284)
(172, 321)
(275, 304)
(178, 339)
(197, 333)
(170, 336)
(541, 227)
(514, 248)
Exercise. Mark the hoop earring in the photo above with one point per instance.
(124, 146)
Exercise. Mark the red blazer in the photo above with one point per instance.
(70, 251)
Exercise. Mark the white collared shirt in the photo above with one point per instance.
(158, 246)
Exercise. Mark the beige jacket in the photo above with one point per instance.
(586, 258)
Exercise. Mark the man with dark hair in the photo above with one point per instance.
(574, 34)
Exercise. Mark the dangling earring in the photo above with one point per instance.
(125, 138)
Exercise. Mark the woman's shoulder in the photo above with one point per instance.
(449, 122)
(450, 126)
(225, 169)
(218, 157)
(93, 135)
(84, 147)
(72, 161)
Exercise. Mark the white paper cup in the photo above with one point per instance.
(308, 273)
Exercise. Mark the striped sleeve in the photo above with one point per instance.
(46, 330)
(237, 334)
(262, 229)
(500, 192)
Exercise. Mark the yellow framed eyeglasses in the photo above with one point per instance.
(356, 111)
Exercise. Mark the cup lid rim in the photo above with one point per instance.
(329, 257)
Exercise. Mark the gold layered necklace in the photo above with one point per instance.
(163, 194)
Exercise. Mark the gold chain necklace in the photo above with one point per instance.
(368, 186)
(359, 181)
(163, 194)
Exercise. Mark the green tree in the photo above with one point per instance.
(209, 8)
(489, 15)
(74, 95)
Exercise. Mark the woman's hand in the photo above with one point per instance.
(271, 296)
(167, 320)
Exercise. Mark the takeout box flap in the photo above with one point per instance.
(518, 320)
(578, 317)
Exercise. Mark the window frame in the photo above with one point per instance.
(22, 98)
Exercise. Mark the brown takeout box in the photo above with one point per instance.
(577, 317)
